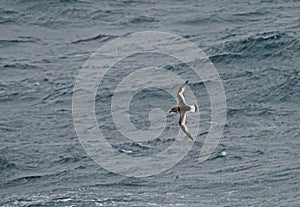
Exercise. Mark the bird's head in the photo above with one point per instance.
(174, 109)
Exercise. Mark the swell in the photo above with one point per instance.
(17, 41)
(263, 46)
(102, 37)
(143, 19)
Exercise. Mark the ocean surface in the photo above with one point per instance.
(255, 47)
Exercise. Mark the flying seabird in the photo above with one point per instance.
(182, 108)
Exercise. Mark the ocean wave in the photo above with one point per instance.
(63, 159)
(19, 40)
(142, 19)
(20, 66)
(101, 37)
(4, 20)
(204, 20)
(225, 58)
(4, 163)
(263, 46)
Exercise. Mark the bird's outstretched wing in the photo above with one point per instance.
(181, 100)
(181, 122)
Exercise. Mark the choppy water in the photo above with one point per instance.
(255, 47)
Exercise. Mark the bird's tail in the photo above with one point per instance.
(193, 108)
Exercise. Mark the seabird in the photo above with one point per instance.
(182, 108)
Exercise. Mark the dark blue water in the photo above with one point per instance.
(254, 46)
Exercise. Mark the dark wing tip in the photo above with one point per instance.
(184, 130)
(187, 81)
(189, 135)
